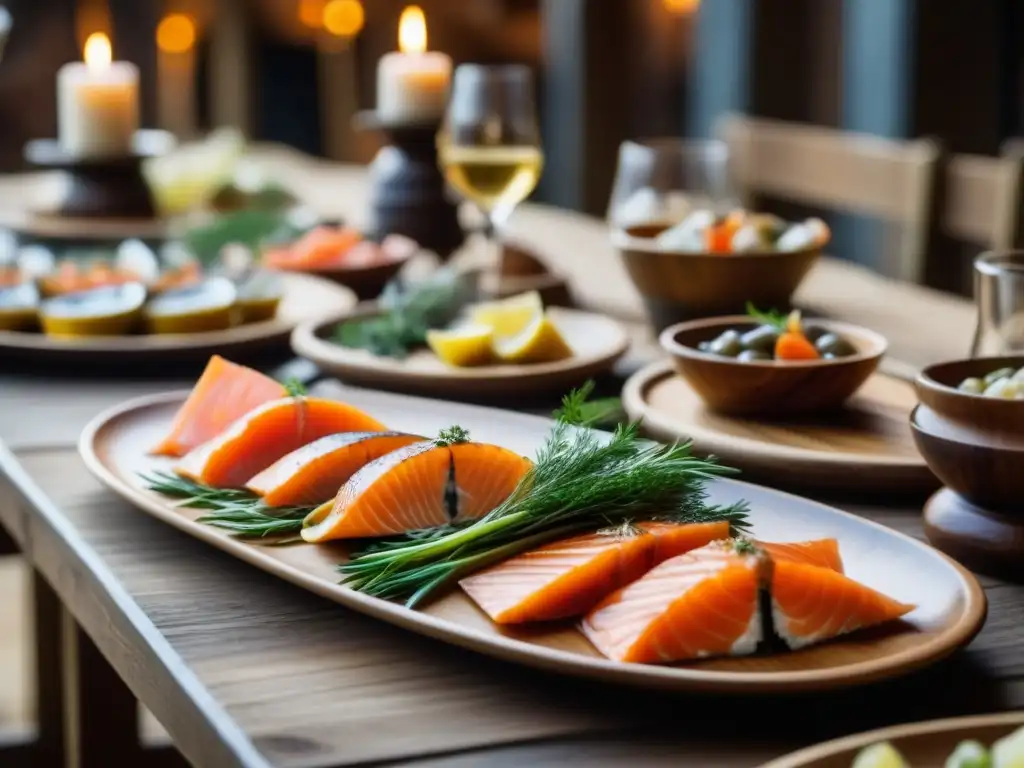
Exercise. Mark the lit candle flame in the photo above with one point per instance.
(412, 30)
(97, 51)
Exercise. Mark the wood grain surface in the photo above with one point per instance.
(865, 447)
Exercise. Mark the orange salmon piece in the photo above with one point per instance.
(569, 577)
(265, 434)
(422, 485)
(313, 473)
(224, 393)
(811, 604)
(700, 604)
(821, 552)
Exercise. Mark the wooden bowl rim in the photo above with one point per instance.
(878, 344)
(925, 379)
(626, 242)
(917, 429)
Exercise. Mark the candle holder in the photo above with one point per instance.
(407, 195)
(103, 187)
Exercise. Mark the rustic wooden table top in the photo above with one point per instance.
(243, 669)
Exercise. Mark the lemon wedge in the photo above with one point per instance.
(539, 342)
(507, 316)
(463, 347)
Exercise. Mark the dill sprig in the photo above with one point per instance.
(453, 435)
(579, 409)
(241, 512)
(295, 388)
(581, 481)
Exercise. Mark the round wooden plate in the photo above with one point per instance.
(597, 340)
(951, 605)
(304, 298)
(866, 446)
(922, 744)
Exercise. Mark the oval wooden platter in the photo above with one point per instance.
(598, 341)
(865, 446)
(304, 298)
(924, 744)
(951, 604)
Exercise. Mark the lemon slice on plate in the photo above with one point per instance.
(464, 346)
(538, 342)
(507, 316)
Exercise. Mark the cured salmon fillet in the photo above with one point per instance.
(821, 552)
(422, 485)
(568, 578)
(225, 392)
(265, 434)
(699, 604)
(811, 604)
(313, 473)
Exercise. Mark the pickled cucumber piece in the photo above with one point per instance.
(882, 755)
(969, 754)
(208, 305)
(1008, 752)
(112, 310)
(972, 386)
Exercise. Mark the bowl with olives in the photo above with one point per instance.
(773, 365)
(710, 264)
(969, 427)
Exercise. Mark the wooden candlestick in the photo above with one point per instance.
(407, 196)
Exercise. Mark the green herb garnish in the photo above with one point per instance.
(452, 436)
(407, 313)
(580, 482)
(241, 512)
(578, 409)
(771, 317)
(295, 388)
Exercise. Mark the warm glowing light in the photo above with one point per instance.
(343, 18)
(311, 13)
(97, 51)
(412, 30)
(175, 33)
(681, 7)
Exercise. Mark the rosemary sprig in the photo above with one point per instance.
(771, 317)
(580, 482)
(242, 513)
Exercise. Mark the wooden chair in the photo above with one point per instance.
(894, 181)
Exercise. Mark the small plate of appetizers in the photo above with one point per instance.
(978, 741)
(438, 337)
(537, 541)
(789, 400)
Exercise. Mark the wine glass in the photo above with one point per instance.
(661, 180)
(489, 147)
(999, 294)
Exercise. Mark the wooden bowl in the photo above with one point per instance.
(974, 444)
(678, 285)
(365, 282)
(768, 387)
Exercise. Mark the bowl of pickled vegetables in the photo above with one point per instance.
(969, 427)
(709, 264)
(1007, 752)
(769, 364)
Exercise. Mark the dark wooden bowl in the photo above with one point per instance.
(365, 282)
(677, 285)
(974, 444)
(770, 388)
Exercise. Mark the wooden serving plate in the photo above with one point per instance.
(304, 298)
(597, 340)
(951, 604)
(864, 446)
(924, 745)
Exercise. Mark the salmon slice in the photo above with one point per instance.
(811, 604)
(699, 604)
(265, 434)
(225, 392)
(568, 578)
(422, 485)
(821, 552)
(313, 473)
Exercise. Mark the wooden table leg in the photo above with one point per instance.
(49, 674)
(100, 712)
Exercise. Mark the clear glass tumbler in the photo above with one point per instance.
(999, 295)
(661, 180)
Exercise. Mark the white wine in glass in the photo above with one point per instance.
(489, 145)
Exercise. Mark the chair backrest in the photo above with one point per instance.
(981, 200)
(891, 180)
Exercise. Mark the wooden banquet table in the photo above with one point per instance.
(243, 669)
